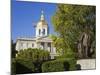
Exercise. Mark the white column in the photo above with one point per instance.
(36, 32)
(37, 45)
(51, 51)
(46, 32)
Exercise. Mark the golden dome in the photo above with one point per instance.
(42, 21)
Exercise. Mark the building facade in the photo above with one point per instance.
(41, 40)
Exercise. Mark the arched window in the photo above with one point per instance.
(43, 31)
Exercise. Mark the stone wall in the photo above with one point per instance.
(87, 63)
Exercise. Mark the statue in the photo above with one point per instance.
(84, 46)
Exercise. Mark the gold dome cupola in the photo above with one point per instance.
(42, 26)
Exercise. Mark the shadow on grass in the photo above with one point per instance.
(21, 69)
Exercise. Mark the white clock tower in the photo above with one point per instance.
(42, 27)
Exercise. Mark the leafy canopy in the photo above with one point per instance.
(70, 21)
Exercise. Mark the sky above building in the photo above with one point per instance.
(24, 15)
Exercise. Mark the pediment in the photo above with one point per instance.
(44, 39)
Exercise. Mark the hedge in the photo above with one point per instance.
(59, 65)
(13, 67)
(24, 66)
(72, 62)
(52, 66)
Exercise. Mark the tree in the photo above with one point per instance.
(61, 48)
(35, 55)
(13, 50)
(74, 22)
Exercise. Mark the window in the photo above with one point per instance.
(49, 46)
(32, 44)
(42, 45)
(43, 31)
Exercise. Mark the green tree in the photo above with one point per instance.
(13, 50)
(61, 48)
(35, 55)
(72, 22)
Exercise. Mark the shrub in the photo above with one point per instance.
(24, 66)
(28, 57)
(78, 67)
(13, 66)
(55, 66)
(71, 61)
(62, 64)
(35, 55)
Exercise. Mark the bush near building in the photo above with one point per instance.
(52, 66)
(35, 55)
(30, 60)
(21, 66)
(37, 61)
(72, 63)
(24, 66)
(59, 65)
(13, 66)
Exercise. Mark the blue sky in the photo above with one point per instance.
(25, 14)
